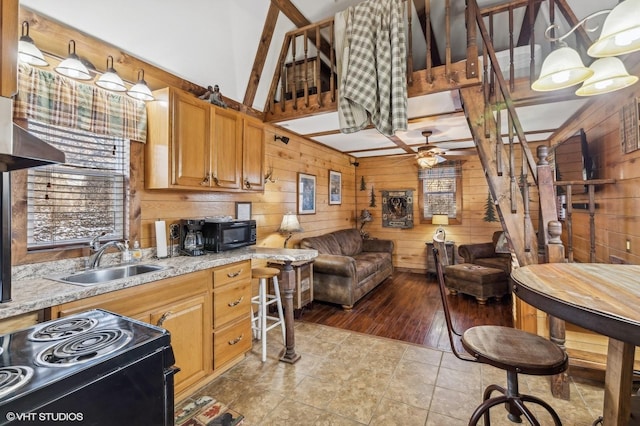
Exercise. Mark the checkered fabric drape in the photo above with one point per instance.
(56, 100)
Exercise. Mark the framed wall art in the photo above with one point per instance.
(397, 208)
(306, 193)
(335, 187)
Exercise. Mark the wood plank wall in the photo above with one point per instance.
(617, 218)
(280, 197)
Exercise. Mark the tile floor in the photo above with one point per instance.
(347, 378)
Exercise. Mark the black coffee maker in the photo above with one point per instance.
(191, 240)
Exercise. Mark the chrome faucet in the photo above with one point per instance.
(94, 259)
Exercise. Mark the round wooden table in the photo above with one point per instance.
(599, 297)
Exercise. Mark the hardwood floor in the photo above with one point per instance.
(407, 307)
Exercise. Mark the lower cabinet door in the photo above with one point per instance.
(185, 321)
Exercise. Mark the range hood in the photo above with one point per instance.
(19, 149)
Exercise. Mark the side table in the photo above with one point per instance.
(431, 266)
(303, 292)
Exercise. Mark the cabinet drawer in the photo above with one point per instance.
(240, 271)
(231, 341)
(231, 302)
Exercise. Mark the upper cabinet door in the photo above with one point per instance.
(253, 155)
(9, 48)
(226, 142)
(190, 141)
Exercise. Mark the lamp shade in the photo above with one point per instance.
(440, 219)
(562, 68)
(290, 223)
(110, 80)
(609, 75)
(73, 67)
(140, 90)
(620, 31)
(27, 50)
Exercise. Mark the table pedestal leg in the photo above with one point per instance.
(288, 285)
(618, 383)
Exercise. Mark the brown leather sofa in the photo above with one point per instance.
(348, 267)
(484, 254)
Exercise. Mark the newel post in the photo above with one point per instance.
(554, 252)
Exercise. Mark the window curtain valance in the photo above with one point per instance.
(50, 98)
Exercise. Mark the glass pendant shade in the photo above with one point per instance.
(27, 50)
(73, 67)
(562, 68)
(620, 31)
(110, 80)
(609, 75)
(140, 90)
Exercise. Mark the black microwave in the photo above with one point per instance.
(222, 236)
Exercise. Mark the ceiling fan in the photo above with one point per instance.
(429, 156)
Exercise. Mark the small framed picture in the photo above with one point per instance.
(335, 187)
(306, 194)
(243, 210)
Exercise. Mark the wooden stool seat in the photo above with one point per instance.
(512, 349)
(264, 272)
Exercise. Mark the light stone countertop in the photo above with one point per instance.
(31, 291)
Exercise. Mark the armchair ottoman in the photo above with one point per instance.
(480, 281)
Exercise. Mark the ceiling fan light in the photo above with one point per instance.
(73, 67)
(620, 31)
(561, 69)
(609, 75)
(140, 90)
(430, 161)
(28, 52)
(110, 80)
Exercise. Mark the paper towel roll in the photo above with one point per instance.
(161, 239)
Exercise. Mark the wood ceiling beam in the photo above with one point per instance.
(261, 54)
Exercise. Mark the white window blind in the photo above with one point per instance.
(440, 189)
(88, 195)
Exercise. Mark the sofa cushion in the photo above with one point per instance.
(349, 241)
(325, 244)
(364, 269)
(379, 259)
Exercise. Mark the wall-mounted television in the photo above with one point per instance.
(573, 161)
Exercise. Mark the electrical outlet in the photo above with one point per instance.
(628, 246)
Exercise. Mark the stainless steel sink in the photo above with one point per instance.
(103, 275)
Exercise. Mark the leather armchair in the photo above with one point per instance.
(484, 254)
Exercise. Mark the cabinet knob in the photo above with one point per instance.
(163, 318)
(205, 181)
(247, 185)
(236, 340)
(215, 180)
(235, 302)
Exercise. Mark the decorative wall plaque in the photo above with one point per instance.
(397, 208)
(629, 127)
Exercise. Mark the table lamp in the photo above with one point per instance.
(440, 219)
(365, 216)
(289, 225)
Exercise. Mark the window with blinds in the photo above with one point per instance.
(88, 195)
(441, 191)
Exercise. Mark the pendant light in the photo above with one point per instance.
(609, 75)
(27, 50)
(110, 80)
(620, 32)
(562, 68)
(72, 66)
(140, 90)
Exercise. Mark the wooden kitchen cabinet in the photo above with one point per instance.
(193, 144)
(9, 48)
(180, 304)
(186, 320)
(253, 154)
(231, 312)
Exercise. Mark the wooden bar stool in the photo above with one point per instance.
(262, 322)
(515, 351)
